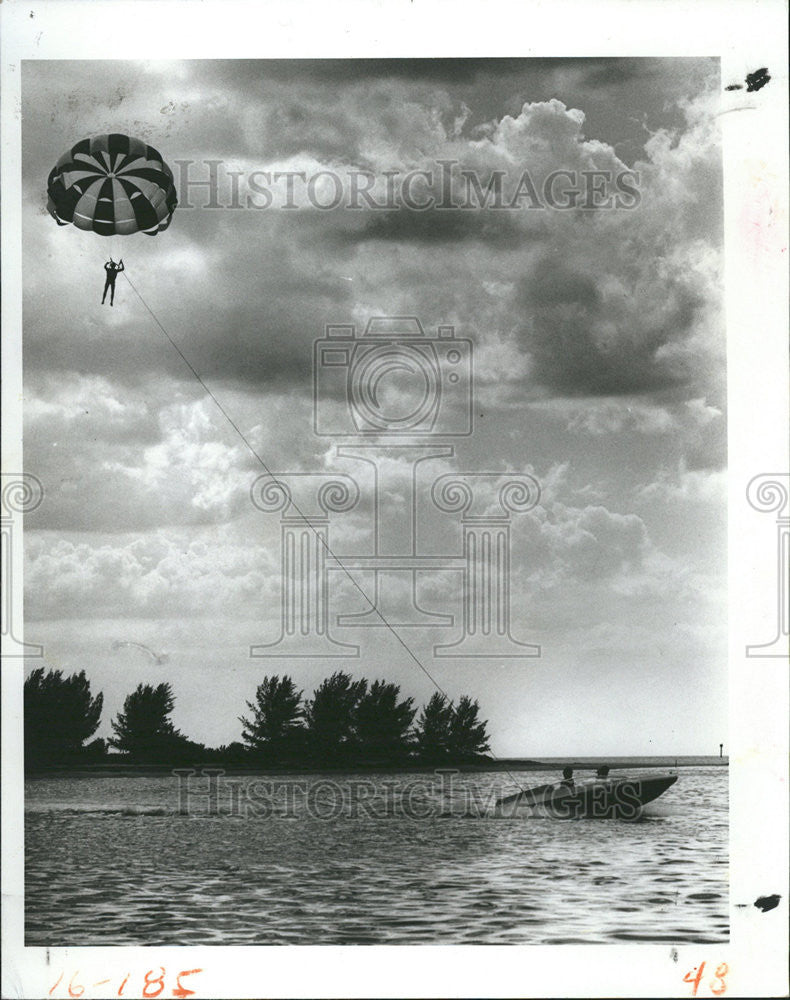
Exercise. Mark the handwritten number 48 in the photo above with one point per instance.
(717, 984)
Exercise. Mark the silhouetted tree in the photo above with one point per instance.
(60, 714)
(448, 730)
(277, 714)
(468, 734)
(433, 727)
(382, 722)
(144, 730)
(331, 715)
(96, 750)
(231, 753)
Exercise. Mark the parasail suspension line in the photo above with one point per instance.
(376, 610)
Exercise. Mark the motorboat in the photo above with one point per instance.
(598, 797)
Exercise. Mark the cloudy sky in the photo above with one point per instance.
(598, 344)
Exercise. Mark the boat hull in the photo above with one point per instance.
(595, 798)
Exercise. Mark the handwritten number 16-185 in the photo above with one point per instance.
(153, 984)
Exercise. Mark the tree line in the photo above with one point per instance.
(346, 721)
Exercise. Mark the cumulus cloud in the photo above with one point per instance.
(702, 485)
(598, 350)
(157, 575)
(567, 543)
(697, 430)
(117, 458)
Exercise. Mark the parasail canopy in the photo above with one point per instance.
(112, 185)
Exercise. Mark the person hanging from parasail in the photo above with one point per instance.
(112, 185)
(112, 270)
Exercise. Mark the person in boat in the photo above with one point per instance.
(603, 771)
(567, 777)
(112, 270)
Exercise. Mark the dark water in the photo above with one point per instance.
(112, 860)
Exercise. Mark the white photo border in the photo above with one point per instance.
(744, 35)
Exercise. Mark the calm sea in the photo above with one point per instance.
(352, 859)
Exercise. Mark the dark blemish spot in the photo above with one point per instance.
(741, 906)
(673, 954)
(757, 80)
(117, 98)
(766, 903)
(734, 86)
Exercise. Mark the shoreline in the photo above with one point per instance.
(550, 764)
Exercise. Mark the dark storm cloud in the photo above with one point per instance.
(277, 292)
(257, 342)
(328, 93)
(494, 229)
(606, 72)
(553, 285)
(452, 71)
(292, 127)
(449, 70)
(578, 349)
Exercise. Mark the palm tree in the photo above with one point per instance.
(277, 715)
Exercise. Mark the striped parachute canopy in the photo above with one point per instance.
(112, 185)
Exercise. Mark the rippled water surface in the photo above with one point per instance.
(112, 860)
